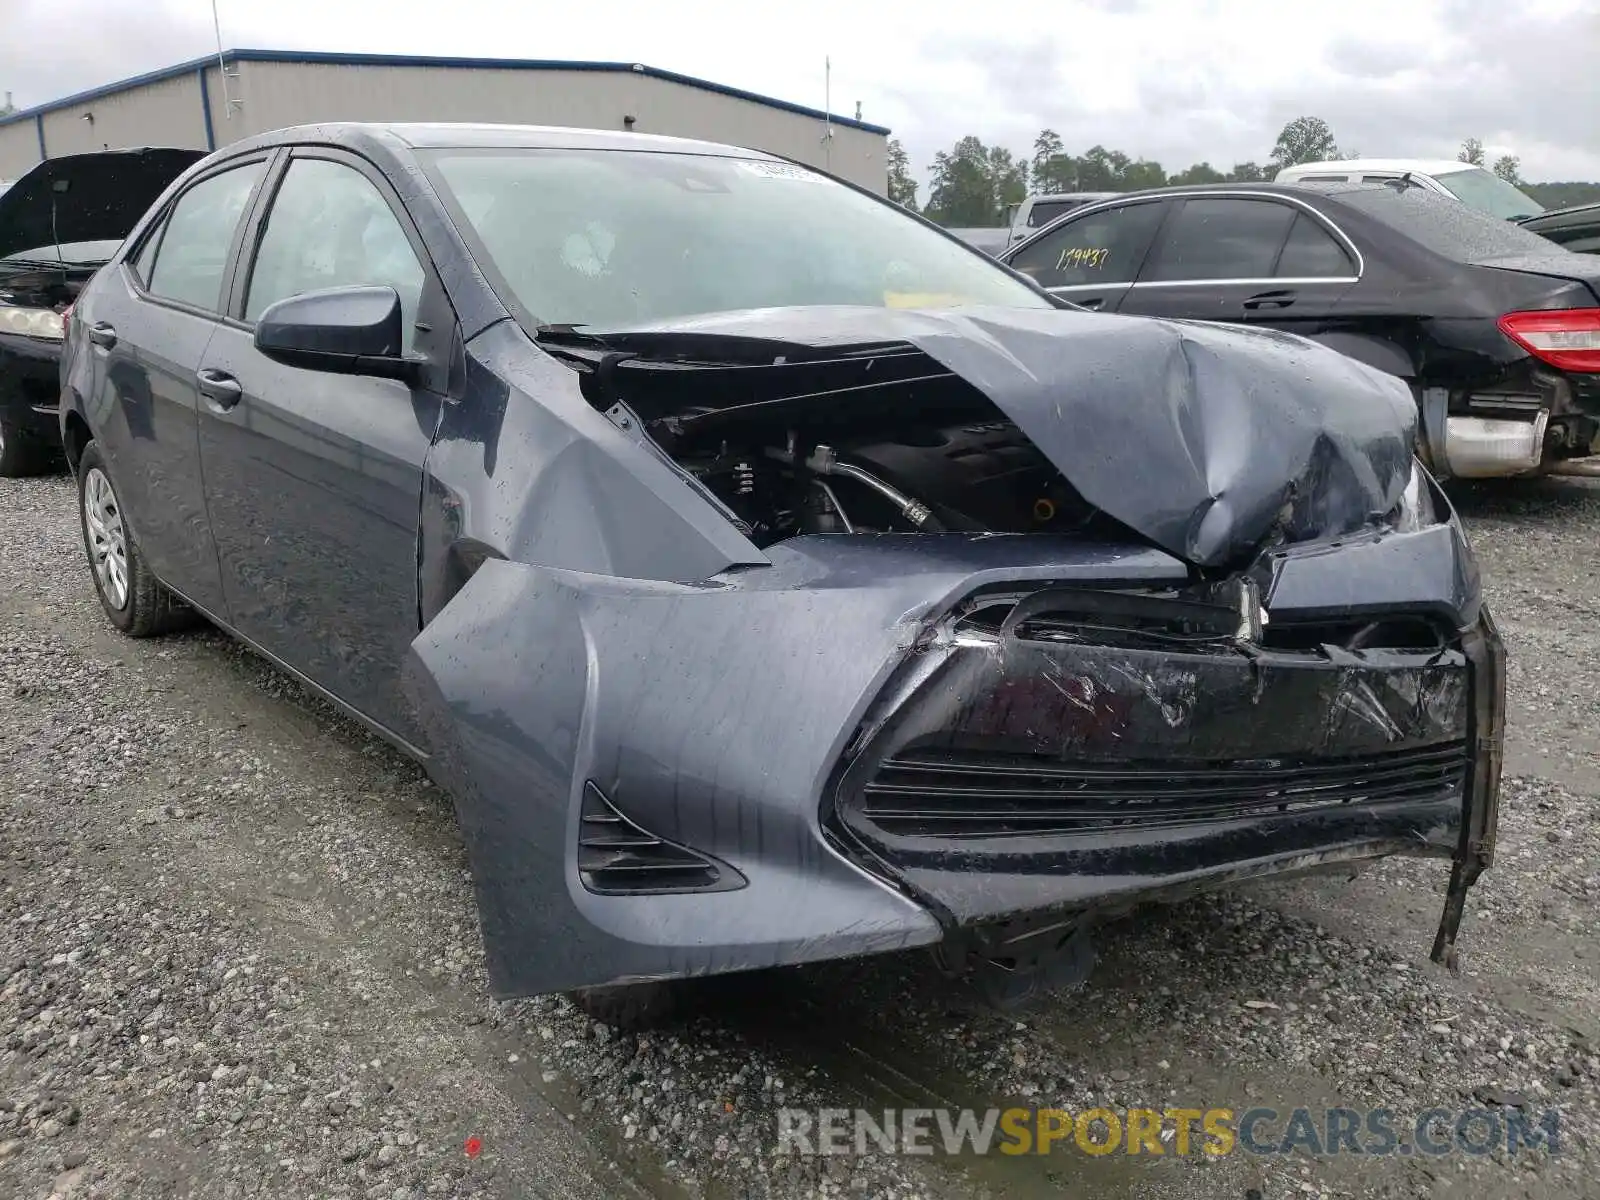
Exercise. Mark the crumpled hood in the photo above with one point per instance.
(97, 197)
(1209, 440)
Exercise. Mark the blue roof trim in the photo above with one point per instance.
(410, 60)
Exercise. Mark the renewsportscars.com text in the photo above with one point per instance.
(1178, 1132)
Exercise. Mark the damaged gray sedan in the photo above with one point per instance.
(767, 576)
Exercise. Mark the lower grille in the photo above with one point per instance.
(617, 858)
(939, 793)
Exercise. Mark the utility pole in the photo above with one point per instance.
(827, 114)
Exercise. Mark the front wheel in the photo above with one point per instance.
(132, 597)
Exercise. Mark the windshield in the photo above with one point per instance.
(621, 238)
(1487, 191)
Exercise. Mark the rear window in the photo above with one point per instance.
(1446, 227)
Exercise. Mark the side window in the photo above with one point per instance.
(1220, 239)
(193, 256)
(1312, 253)
(330, 227)
(147, 254)
(1103, 247)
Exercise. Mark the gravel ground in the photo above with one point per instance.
(240, 958)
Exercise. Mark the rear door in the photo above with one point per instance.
(147, 328)
(313, 479)
(1245, 259)
(1092, 259)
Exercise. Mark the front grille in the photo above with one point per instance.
(949, 794)
(618, 858)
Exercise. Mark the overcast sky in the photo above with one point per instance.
(1178, 81)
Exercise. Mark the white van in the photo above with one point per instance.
(1040, 208)
(1472, 185)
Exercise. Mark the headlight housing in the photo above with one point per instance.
(1416, 509)
(32, 322)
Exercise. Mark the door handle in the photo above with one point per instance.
(1091, 302)
(1269, 300)
(102, 334)
(220, 388)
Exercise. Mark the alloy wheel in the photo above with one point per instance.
(108, 537)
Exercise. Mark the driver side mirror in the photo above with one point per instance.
(345, 331)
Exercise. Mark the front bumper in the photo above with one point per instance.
(1026, 774)
(660, 780)
(30, 387)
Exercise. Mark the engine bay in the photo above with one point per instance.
(972, 476)
(874, 440)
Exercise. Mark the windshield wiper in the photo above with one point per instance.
(573, 331)
(54, 264)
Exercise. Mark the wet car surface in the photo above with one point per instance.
(522, 484)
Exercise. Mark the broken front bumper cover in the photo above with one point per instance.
(658, 780)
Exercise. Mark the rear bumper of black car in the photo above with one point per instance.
(30, 387)
(864, 748)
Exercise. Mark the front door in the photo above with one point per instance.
(1091, 260)
(314, 479)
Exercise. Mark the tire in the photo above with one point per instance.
(630, 1006)
(21, 453)
(134, 600)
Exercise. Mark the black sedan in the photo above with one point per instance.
(59, 224)
(768, 576)
(1495, 329)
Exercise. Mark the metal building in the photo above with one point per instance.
(210, 102)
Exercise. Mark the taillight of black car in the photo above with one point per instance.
(1565, 338)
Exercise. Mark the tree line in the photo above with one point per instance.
(973, 184)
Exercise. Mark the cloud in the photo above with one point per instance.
(51, 49)
(1178, 81)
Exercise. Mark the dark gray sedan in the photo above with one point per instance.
(767, 576)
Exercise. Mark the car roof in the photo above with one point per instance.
(1422, 166)
(1295, 189)
(465, 135)
(1067, 195)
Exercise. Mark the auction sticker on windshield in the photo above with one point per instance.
(774, 170)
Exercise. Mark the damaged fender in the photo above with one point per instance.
(711, 715)
(534, 683)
